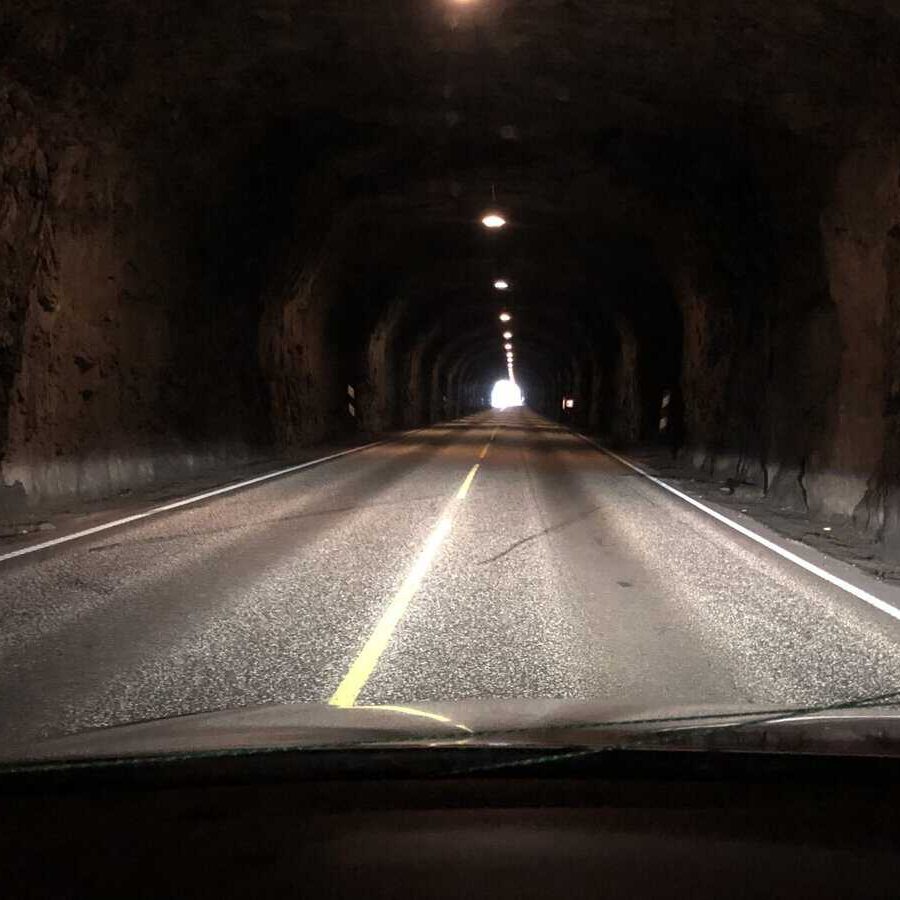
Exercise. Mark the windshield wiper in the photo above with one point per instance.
(699, 721)
(679, 725)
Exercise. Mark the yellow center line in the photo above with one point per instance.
(484, 449)
(364, 664)
(464, 487)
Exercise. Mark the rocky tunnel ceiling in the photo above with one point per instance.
(218, 216)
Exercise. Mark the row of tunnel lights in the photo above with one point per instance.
(494, 221)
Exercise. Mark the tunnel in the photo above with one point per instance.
(231, 231)
(263, 264)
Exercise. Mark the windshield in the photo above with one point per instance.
(491, 363)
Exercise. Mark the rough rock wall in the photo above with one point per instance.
(884, 491)
(594, 412)
(384, 368)
(303, 386)
(438, 409)
(626, 411)
(28, 275)
(91, 284)
(417, 395)
(854, 229)
(860, 472)
(793, 387)
(758, 353)
(130, 300)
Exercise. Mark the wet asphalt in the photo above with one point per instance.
(564, 575)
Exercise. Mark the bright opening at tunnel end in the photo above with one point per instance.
(506, 393)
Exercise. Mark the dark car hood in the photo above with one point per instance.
(496, 723)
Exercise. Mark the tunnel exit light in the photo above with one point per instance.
(506, 393)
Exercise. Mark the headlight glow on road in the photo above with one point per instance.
(506, 393)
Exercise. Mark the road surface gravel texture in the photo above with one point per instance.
(559, 574)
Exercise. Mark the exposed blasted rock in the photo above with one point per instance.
(214, 221)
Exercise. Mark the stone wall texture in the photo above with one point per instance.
(213, 219)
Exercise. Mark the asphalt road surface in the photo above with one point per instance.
(402, 573)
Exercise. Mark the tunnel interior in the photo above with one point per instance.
(236, 229)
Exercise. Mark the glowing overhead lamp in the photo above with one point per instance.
(507, 335)
(507, 346)
(493, 220)
(505, 317)
(501, 284)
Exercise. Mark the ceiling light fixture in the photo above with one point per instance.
(493, 220)
(505, 317)
(501, 284)
(507, 335)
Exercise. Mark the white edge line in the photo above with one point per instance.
(187, 501)
(865, 596)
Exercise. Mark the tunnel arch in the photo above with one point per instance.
(205, 250)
